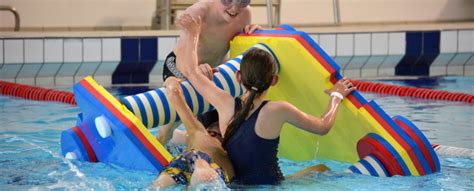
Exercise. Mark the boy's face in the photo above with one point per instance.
(232, 8)
(214, 131)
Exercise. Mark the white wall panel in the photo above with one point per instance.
(53, 50)
(92, 50)
(379, 43)
(448, 41)
(165, 46)
(345, 44)
(14, 51)
(73, 50)
(111, 49)
(362, 44)
(328, 43)
(34, 50)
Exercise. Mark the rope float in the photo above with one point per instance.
(422, 93)
(453, 151)
(36, 93)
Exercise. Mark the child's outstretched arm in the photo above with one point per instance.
(286, 112)
(187, 63)
(176, 97)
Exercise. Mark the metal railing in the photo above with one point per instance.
(15, 13)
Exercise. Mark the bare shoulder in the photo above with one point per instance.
(277, 108)
(199, 8)
(246, 15)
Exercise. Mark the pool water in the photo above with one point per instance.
(30, 156)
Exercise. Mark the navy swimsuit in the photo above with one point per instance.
(254, 158)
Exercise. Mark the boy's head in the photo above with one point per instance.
(214, 131)
(257, 70)
(232, 8)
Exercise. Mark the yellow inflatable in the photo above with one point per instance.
(305, 72)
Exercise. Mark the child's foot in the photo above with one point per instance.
(202, 173)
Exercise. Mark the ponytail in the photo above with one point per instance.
(239, 116)
(257, 70)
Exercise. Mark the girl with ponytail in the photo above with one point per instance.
(251, 125)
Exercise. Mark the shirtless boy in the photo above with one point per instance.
(222, 20)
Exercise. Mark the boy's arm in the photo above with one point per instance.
(188, 64)
(198, 9)
(175, 95)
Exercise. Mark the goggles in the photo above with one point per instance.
(240, 3)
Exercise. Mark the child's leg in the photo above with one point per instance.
(164, 180)
(203, 172)
(315, 168)
(170, 134)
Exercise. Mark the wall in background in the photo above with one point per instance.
(138, 13)
(124, 59)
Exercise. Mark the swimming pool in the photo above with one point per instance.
(30, 151)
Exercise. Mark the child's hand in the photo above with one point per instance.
(343, 86)
(172, 84)
(249, 29)
(206, 70)
(189, 24)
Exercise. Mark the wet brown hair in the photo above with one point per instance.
(256, 75)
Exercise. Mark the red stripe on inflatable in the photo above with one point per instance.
(368, 145)
(157, 155)
(420, 144)
(86, 144)
(397, 138)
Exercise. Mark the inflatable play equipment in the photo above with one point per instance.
(363, 133)
(152, 107)
(108, 132)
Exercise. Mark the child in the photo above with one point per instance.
(222, 20)
(251, 124)
(204, 148)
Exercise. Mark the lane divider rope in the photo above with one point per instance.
(406, 91)
(36, 93)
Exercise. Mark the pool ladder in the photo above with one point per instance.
(15, 13)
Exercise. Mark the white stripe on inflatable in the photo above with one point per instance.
(159, 107)
(362, 168)
(135, 108)
(193, 96)
(222, 81)
(376, 166)
(234, 80)
(235, 64)
(172, 111)
(148, 112)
